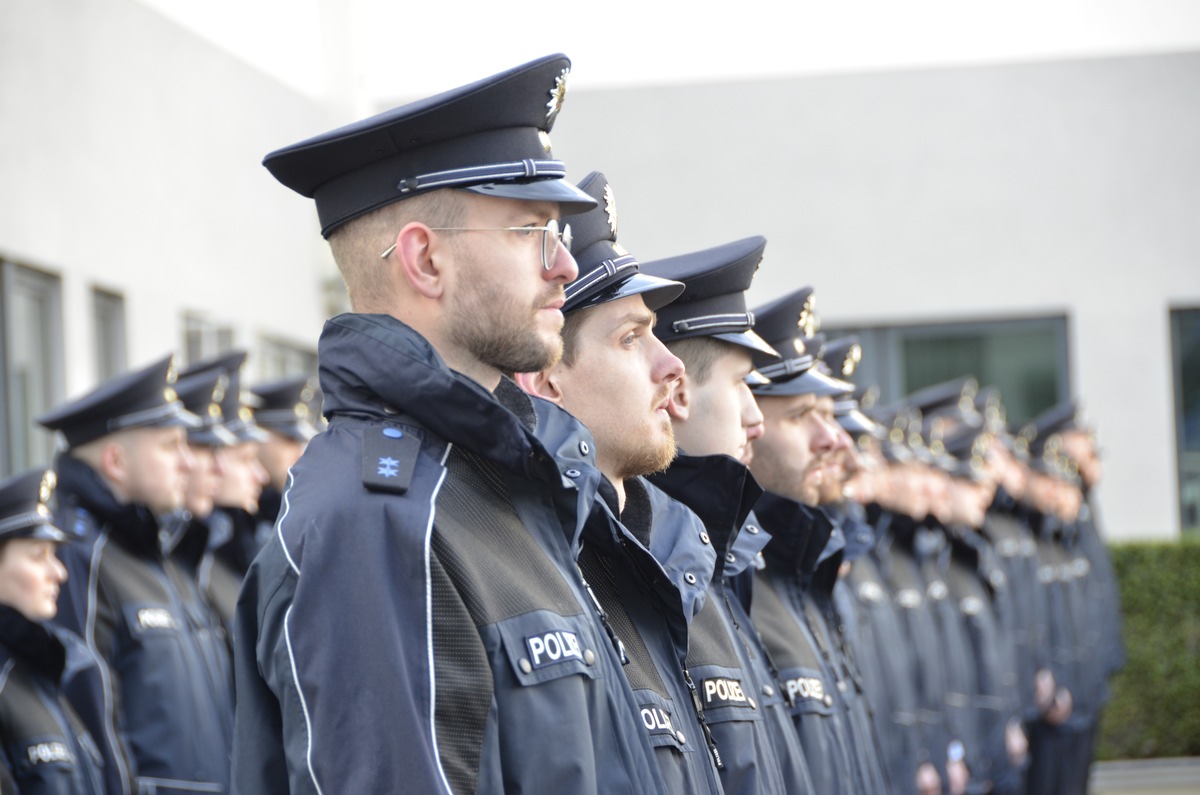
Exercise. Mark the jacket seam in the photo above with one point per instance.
(102, 662)
(437, 754)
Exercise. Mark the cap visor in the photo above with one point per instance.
(570, 199)
(45, 532)
(212, 436)
(656, 292)
(854, 421)
(179, 418)
(810, 382)
(756, 344)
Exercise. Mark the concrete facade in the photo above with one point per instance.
(982, 193)
(130, 151)
(130, 155)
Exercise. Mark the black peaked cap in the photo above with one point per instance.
(607, 271)
(1057, 419)
(714, 303)
(789, 324)
(25, 510)
(842, 356)
(202, 394)
(489, 137)
(238, 415)
(142, 398)
(284, 407)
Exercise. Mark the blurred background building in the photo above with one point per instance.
(1028, 213)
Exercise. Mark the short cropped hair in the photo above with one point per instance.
(699, 354)
(572, 323)
(357, 245)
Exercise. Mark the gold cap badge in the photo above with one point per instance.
(557, 94)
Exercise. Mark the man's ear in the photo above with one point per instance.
(680, 400)
(114, 463)
(543, 384)
(419, 255)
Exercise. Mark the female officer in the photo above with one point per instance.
(44, 749)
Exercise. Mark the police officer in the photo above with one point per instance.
(44, 747)
(189, 532)
(977, 585)
(417, 621)
(645, 556)
(1102, 594)
(159, 703)
(716, 420)
(798, 451)
(231, 525)
(282, 409)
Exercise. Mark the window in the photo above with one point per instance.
(32, 360)
(108, 322)
(1185, 344)
(1025, 359)
(279, 359)
(204, 338)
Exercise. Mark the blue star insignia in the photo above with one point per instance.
(388, 467)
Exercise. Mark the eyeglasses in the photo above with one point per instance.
(551, 237)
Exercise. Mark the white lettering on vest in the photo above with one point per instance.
(155, 618)
(45, 753)
(654, 719)
(805, 687)
(724, 690)
(552, 647)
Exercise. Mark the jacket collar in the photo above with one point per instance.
(33, 642)
(799, 533)
(722, 492)
(375, 365)
(133, 526)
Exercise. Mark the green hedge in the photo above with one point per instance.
(1155, 707)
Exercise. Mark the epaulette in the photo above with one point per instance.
(389, 458)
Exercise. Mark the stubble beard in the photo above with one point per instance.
(494, 329)
(646, 458)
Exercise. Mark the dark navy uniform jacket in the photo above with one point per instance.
(898, 563)
(418, 623)
(44, 747)
(739, 685)
(159, 701)
(647, 570)
(876, 632)
(952, 645)
(975, 581)
(231, 545)
(1022, 603)
(799, 535)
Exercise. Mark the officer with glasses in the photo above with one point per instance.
(416, 622)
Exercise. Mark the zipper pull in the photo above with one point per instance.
(708, 737)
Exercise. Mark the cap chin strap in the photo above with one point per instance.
(787, 368)
(492, 172)
(606, 269)
(726, 322)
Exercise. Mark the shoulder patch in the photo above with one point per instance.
(389, 457)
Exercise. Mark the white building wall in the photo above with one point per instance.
(943, 195)
(130, 158)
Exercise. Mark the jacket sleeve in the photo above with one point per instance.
(332, 662)
(93, 691)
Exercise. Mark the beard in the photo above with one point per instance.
(493, 327)
(647, 452)
(646, 458)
